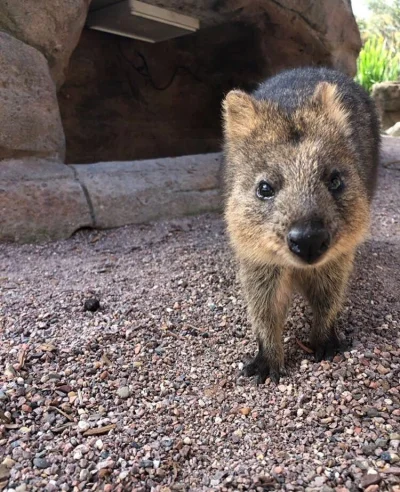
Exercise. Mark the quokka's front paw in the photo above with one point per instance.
(261, 368)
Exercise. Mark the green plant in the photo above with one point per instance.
(377, 63)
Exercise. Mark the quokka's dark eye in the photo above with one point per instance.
(336, 184)
(264, 190)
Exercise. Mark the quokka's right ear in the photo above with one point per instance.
(240, 114)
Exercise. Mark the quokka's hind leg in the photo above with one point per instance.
(325, 289)
(268, 291)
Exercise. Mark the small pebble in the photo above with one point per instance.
(123, 392)
(108, 463)
(146, 464)
(83, 425)
(371, 478)
(41, 463)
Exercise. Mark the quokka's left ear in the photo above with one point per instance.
(328, 98)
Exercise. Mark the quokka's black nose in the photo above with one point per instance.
(309, 240)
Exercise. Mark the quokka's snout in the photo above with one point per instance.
(309, 240)
(301, 156)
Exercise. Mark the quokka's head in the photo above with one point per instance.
(293, 193)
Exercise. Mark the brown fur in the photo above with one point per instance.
(295, 150)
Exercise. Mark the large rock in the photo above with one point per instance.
(51, 26)
(40, 201)
(135, 192)
(30, 123)
(387, 99)
(390, 154)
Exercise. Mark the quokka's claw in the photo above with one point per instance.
(261, 369)
(329, 348)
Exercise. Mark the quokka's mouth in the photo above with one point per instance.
(311, 261)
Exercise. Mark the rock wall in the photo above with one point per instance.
(124, 99)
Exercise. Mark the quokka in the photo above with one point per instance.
(301, 156)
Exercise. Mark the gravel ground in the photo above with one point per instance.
(144, 393)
